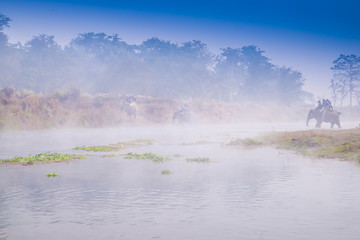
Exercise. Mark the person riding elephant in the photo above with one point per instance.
(182, 116)
(129, 106)
(324, 115)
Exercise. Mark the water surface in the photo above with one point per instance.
(242, 193)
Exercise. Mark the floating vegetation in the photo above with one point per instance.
(98, 148)
(196, 143)
(198, 159)
(151, 156)
(135, 143)
(176, 155)
(245, 142)
(117, 146)
(51, 175)
(112, 155)
(166, 172)
(43, 157)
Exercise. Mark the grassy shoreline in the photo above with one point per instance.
(342, 144)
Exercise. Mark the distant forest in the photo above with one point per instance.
(101, 63)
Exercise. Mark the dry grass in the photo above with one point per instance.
(72, 108)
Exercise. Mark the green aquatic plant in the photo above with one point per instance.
(98, 148)
(245, 142)
(166, 172)
(112, 155)
(134, 143)
(151, 156)
(44, 157)
(51, 175)
(116, 146)
(199, 159)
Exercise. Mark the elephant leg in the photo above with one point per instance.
(318, 124)
(332, 125)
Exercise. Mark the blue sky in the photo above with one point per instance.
(305, 35)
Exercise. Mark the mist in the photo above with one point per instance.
(173, 74)
(166, 138)
(97, 62)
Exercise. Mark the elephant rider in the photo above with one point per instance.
(324, 102)
(328, 103)
(319, 107)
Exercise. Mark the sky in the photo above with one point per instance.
(304, 35)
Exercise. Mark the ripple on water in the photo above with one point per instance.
(240, 194)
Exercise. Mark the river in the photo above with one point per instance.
(242, 193)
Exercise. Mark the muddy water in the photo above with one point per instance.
(252, 193)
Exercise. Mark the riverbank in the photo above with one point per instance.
(342, 144)
(26, 110)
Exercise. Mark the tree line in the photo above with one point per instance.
(97, 62)
(346, 79)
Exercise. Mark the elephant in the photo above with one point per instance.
(181, 116)
(130, 107)
(324, 115)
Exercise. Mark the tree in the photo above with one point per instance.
(334, 87)
(43, 64)
(347, 69)
(289, 85)
(259, 72)
(229, 73)
(339, 86)
(247, 74)
(4, 21)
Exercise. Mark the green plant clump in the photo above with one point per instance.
(45, 157)
(112, 155)
(51, 175)
(198, 159)
(116, 146)
(245, 142)
(151, 156)
(166, 172)
(140, 141)
(98, 148)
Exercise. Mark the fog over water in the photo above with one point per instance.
(242, 193)
(189, 77)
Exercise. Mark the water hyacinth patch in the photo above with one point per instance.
(51, 175)
(245, 142)
(151, 156)
(44, 157)
(98, 148)
(166, 172)
(198, 159)
(116, 146)
(112, 155)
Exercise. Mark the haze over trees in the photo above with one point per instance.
(97, 62)
(346, 78)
